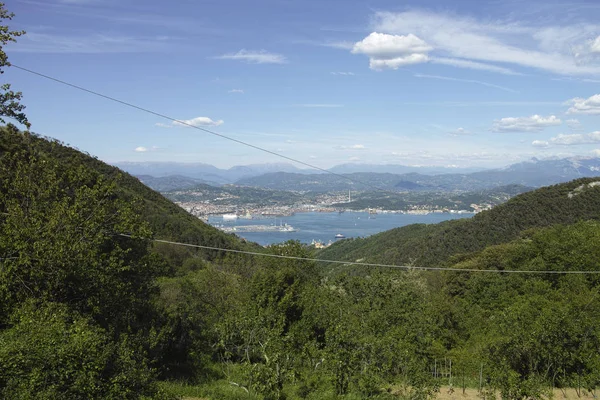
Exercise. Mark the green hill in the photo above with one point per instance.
(166, 220)
(433, 245)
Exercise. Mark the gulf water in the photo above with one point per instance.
(324, 226)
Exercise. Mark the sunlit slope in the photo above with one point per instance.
(167, 220)
(433, 245)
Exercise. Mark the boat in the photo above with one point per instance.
(229, 217)
(287, 228)
(339, 236)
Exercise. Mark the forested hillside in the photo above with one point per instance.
(88, 313)
(166, 220)
(433, 245)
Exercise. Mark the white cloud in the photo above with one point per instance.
(574, 124)
(458, 40)
(447, 78)
(354, 159)
(255, 57)
(35, 42)
(596, 152)
(163, 125)
(392, 51)
(343, 73)
(143, 149)
(198, 121)
(540, 143)
(338, 45)
(352, 147)
(590, 106)
(595, 45)
(241, 91)
(576, 139)
(455, 62)
(535, 123)
(460, 132)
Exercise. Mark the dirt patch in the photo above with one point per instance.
(473, 394)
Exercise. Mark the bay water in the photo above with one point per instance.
(324, 227)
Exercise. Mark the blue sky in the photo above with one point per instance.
(463, 83)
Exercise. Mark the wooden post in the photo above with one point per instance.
(480, 376)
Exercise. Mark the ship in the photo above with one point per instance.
(229, 217)
(257, 228)
(339, 236)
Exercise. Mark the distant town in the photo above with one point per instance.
(327, 202)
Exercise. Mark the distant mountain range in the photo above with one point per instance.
(206, 173)
(166, 176)
(534, 173)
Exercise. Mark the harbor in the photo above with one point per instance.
(322, 227)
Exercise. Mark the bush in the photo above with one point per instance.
(50, 353)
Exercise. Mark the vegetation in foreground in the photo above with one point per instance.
(88, 313)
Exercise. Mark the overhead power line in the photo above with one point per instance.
(160, 115)
(404, 267)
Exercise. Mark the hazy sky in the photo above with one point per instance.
(466, 83)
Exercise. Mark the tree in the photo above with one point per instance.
(10, 105)
(50, 352)
(59, 242)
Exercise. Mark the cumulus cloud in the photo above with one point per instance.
(255, 57)
(392, 51)
(143, 149)
(467, 42)
(198, 121)
(576, 139)
(535, 123)
(540, 143)
(589, 106)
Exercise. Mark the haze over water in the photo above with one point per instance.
(324, 226)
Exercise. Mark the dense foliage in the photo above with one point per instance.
(88, 313)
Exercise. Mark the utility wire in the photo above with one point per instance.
(146, 110)
(404, 267)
